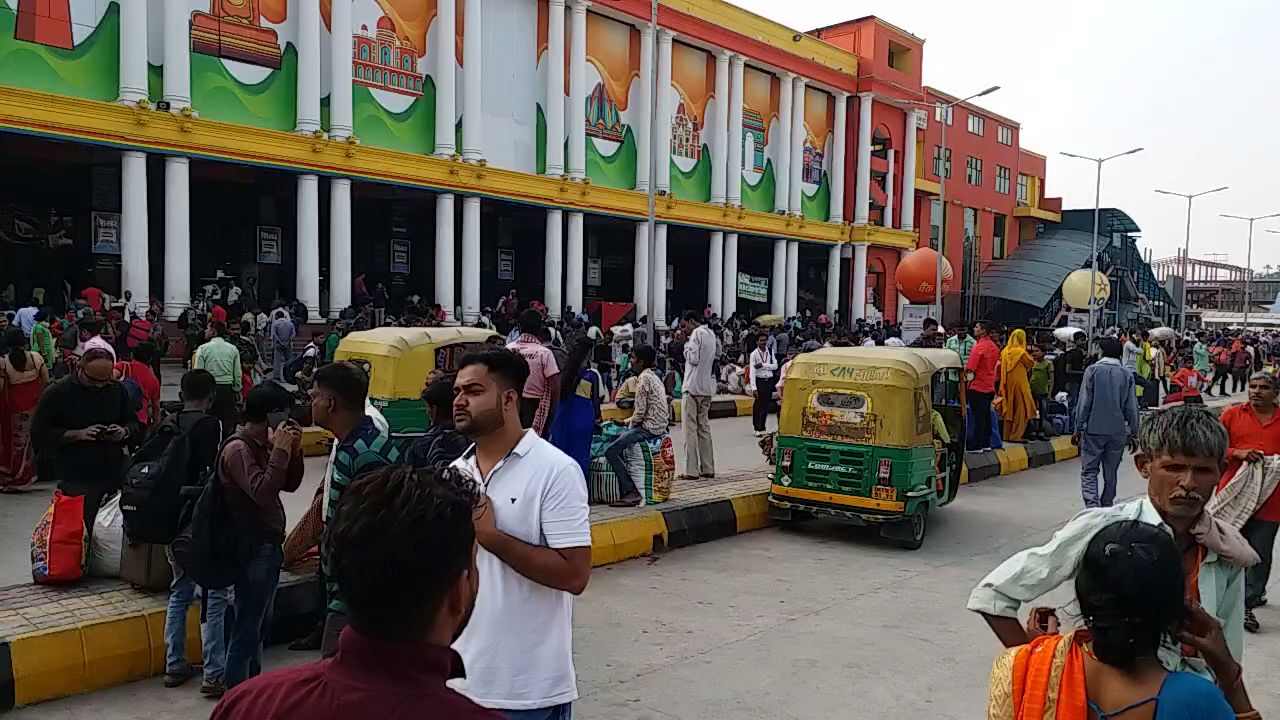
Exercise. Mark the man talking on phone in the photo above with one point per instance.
(82, 422)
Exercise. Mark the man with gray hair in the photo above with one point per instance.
(1106, 420)
(1180, 451)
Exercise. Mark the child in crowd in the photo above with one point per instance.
(1186, 384)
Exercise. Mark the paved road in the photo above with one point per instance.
(818, 621)
(736, 449)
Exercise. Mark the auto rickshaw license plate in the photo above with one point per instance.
(884, 493)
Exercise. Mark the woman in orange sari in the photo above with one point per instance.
(1131, 593)
(23, 377)
(1017, 406)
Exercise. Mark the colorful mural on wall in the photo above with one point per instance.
(62, 47)
(760, 99)
(693, 82)
(819, 125)
(613, 66)
(244, 64)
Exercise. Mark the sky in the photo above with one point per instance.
(1191, 82)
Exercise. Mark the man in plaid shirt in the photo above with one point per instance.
(648, 421)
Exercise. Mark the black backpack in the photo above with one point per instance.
(152, 500)
(214, 547)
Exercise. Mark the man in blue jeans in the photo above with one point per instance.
(1106, 421)
(648, 421)
(259, 462)
(203, 433)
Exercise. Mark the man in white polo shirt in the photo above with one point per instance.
(534, 533)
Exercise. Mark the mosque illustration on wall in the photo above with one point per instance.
(752, 141)
(686, 136)
(384, 61)
(233, 30)
(603, 119)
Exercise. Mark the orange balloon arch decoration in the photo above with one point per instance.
(917, 273)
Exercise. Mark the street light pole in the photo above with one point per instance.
(1097, 211)
(1248, 259)
(650, 326)
(1186, 250)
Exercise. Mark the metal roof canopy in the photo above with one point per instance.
(1110, 220)
(1037, 268)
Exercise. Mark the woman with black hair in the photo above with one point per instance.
(577, 410)
(1130, 587)
(23, 378)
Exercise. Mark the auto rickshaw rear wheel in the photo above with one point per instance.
(913, 529)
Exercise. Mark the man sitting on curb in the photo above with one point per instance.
(648, 421)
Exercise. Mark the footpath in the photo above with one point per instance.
(65, 640)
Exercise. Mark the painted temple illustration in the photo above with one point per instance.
(811, 170)
(752, 140)
(233, 30)
(686, 136)
(384, 61)
(603, 120)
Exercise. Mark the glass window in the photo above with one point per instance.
(1002, 179)
(364, 52)
(997, 238)
(973, 171)
(939, 112)
(976, 124)
(386, 56)
(1004, 135)
(937, 161)
(936, 221)
(1022, 189)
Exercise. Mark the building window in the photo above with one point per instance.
(364, 52)
(998, 249)
(1004, 135)
(1022, 189)
(936, 221)
(937, 161)
(1002, 179)
(386, 56)
(976, 124)
(940, 112)
(973, 171)
(899, 57)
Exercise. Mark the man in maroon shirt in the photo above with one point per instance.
(404, 610)
(980, 371)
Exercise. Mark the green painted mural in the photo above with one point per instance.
(270, 104)
(759, 197)
(818, 205)
(696, 184)
(541, 145)
(88, 70)
(413, 130)
(617, 170)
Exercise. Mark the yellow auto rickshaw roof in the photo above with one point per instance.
(398, 341)
(901, 367)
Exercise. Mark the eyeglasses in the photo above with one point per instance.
(1145, 551)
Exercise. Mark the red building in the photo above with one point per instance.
(994, 189)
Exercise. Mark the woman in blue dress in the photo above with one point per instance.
(578, 408)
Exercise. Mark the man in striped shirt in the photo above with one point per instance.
(648, 420)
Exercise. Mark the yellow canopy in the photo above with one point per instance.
(769, 320)
(900, 367)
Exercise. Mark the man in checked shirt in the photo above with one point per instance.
(649, 420)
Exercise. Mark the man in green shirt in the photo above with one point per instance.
(962, 343)
(331, 342)
(42, 338)
(1200, 353)
(222, 360)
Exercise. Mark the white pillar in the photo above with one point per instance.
(644, 134)
(472, 82)
(907, 213)
(729, 305)
(133, 51)
(837, 164)
(578, 92)
(308, 29)
(177, 60)
(862, 171)
(719, 129)
(797, 147)
(340, 273)
(833, 279)
(445, 254)
(308, 244)
(470, 259)
(793, 277)
(659, 299)
(573, 262)
(662, 136)
(715, 273)
(446, 83)
(778, 287)
(859, 279)
(640, 270)
(177, 236)
(782, 173)
(733, 179)
(340, 113)
(134, 268)
(553, 103)
(553, 269)
(889, 191)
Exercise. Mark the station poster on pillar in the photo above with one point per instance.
(64, 47)
(693, 82)
(393, 95)
(613, 66)
(751, 287)
(819, 134)
(760, 99)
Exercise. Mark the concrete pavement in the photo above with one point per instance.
(817, 621)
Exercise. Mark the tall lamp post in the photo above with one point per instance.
(1097, 207)
(1248, 258)
(1186, 250)
(651, 326)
